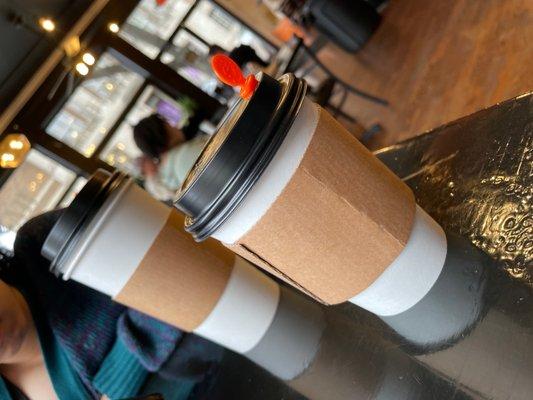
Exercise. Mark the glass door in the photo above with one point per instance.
(38, 185)
(94, 107)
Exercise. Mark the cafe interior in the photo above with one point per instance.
(366, 166)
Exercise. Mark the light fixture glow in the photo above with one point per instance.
(47, 24)
(13, 150)
(16, 144)
(82, 69)
(89, 150)
(113, 27)
(72, 46)
(88, 59)
(7, 157)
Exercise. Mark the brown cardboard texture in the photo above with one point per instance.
(338, 224)
(179, 281)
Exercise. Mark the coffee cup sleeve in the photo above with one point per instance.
(339, 222)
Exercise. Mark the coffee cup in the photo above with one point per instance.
(118, 240)
(284, 185)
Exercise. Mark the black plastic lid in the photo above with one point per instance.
(67, 230)
(238, 153)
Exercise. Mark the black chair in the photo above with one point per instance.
(304, 61)
(348, 23)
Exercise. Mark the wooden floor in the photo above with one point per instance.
(436, 61)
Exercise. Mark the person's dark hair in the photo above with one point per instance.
(216, 49)
(151, 137)
(6, 268)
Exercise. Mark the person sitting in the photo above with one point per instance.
(61, 340)
(244, 56)
(168, 154)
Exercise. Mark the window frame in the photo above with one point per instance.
(51, 96)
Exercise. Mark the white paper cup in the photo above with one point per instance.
(289, 189)
(133, 248)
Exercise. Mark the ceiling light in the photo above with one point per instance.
(113, 27)
(16, 144)
(82, 69)
(7, 157)
(13, 150)
(47, 24)
(88, 59)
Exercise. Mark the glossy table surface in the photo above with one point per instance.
(475, 177)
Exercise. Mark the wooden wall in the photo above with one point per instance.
(436, 61)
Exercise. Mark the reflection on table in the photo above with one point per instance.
(475, 177)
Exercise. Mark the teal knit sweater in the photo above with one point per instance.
(94, 346)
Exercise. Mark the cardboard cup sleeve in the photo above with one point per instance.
(179, 281)
(341, 220)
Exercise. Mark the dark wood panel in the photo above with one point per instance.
(162, 75)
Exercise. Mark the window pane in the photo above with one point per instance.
(216, 26)
(95, 105)
(33, 188)
(73, 192)
(150, 25)
(190, 58)
(121, 151)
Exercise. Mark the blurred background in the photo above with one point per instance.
(77, 75)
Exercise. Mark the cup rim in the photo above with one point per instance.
(69, 228)
(210, 196)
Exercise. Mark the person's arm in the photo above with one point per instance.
(112, 348)
(193, 359)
